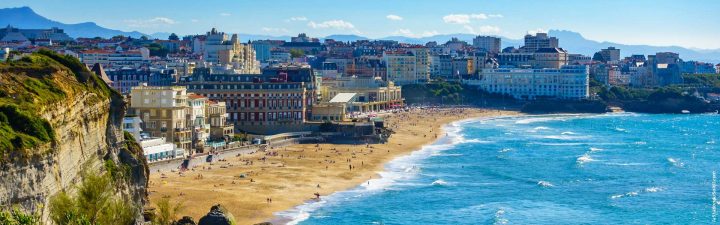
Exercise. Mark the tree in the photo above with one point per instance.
(166, 212)
(598, 57)
(296, 53)
(94, 203)
(173, 37)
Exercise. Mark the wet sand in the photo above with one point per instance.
(290, 176)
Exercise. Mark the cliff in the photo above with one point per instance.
(58, 120)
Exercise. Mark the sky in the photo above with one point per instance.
(685, 23)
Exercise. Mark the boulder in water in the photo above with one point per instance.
(218, 215)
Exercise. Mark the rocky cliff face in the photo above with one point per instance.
(86, 122)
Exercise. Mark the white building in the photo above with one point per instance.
(569, 82)
(157, 149)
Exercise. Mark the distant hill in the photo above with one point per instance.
(574, 42)
(26, 18)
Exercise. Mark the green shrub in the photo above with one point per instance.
(94, 203)
(17, 217)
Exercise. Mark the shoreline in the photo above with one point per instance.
(297, 214)
(271, 185)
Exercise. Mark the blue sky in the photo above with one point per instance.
(655, 22)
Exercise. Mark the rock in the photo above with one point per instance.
(218, 215)
(186, 220)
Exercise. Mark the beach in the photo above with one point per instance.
(254, 186)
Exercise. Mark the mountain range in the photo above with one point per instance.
(25, 17)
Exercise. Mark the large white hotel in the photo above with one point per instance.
(568, 82)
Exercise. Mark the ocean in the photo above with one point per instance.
(620, 168)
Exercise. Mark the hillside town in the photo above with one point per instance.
(195, 94)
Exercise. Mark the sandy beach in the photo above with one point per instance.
(254, 186)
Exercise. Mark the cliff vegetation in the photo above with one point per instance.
(31, 85)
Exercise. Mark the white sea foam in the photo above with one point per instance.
(397, 170)
(499, 217)
(439, 182)
(543, 183)
(620, 129)
(567, 133)
(593, 149)
(636, 193)
(676, 162)
(505, 150)
(584, 159)
(536, 129)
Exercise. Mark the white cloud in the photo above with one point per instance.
(194, 20)
(225, 14)
(154, 22)
(394, 17)
(467, 18)
(486, 29)
(409, 33)
(457, 18)
(333, 24)
(275, 30)
(297, 18)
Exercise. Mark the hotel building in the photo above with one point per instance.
(568, 82)
(277, 101)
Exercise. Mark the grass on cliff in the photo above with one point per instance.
(33, 85)
(94, 202)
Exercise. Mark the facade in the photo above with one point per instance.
(550, 58)
(487, 43)
(610, 54)
(12, 34)
(371, 93)
(441, 66)
(539, 41)
(569, 82)
(116, 59)
(220, 49)
(277, 101)
(407, 66)
(163, 111)
(125, 78)
(217, 115)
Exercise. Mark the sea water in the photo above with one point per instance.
(552, 169)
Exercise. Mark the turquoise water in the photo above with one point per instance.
(556, 169)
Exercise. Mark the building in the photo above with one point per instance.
(125, 78)
(407, 66)
(54, 34)
(154, 149)
(163, 111)
(694, 67)
(550, 58)
(277, 101)
(487, 44)
(116, 59)
(568, 82)
(717, 68)
(197, 120)
(218, 48)
(441, 66)
(370, 94)
(539, 41)
(217, 115)
(610, 54)
(158, 149)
